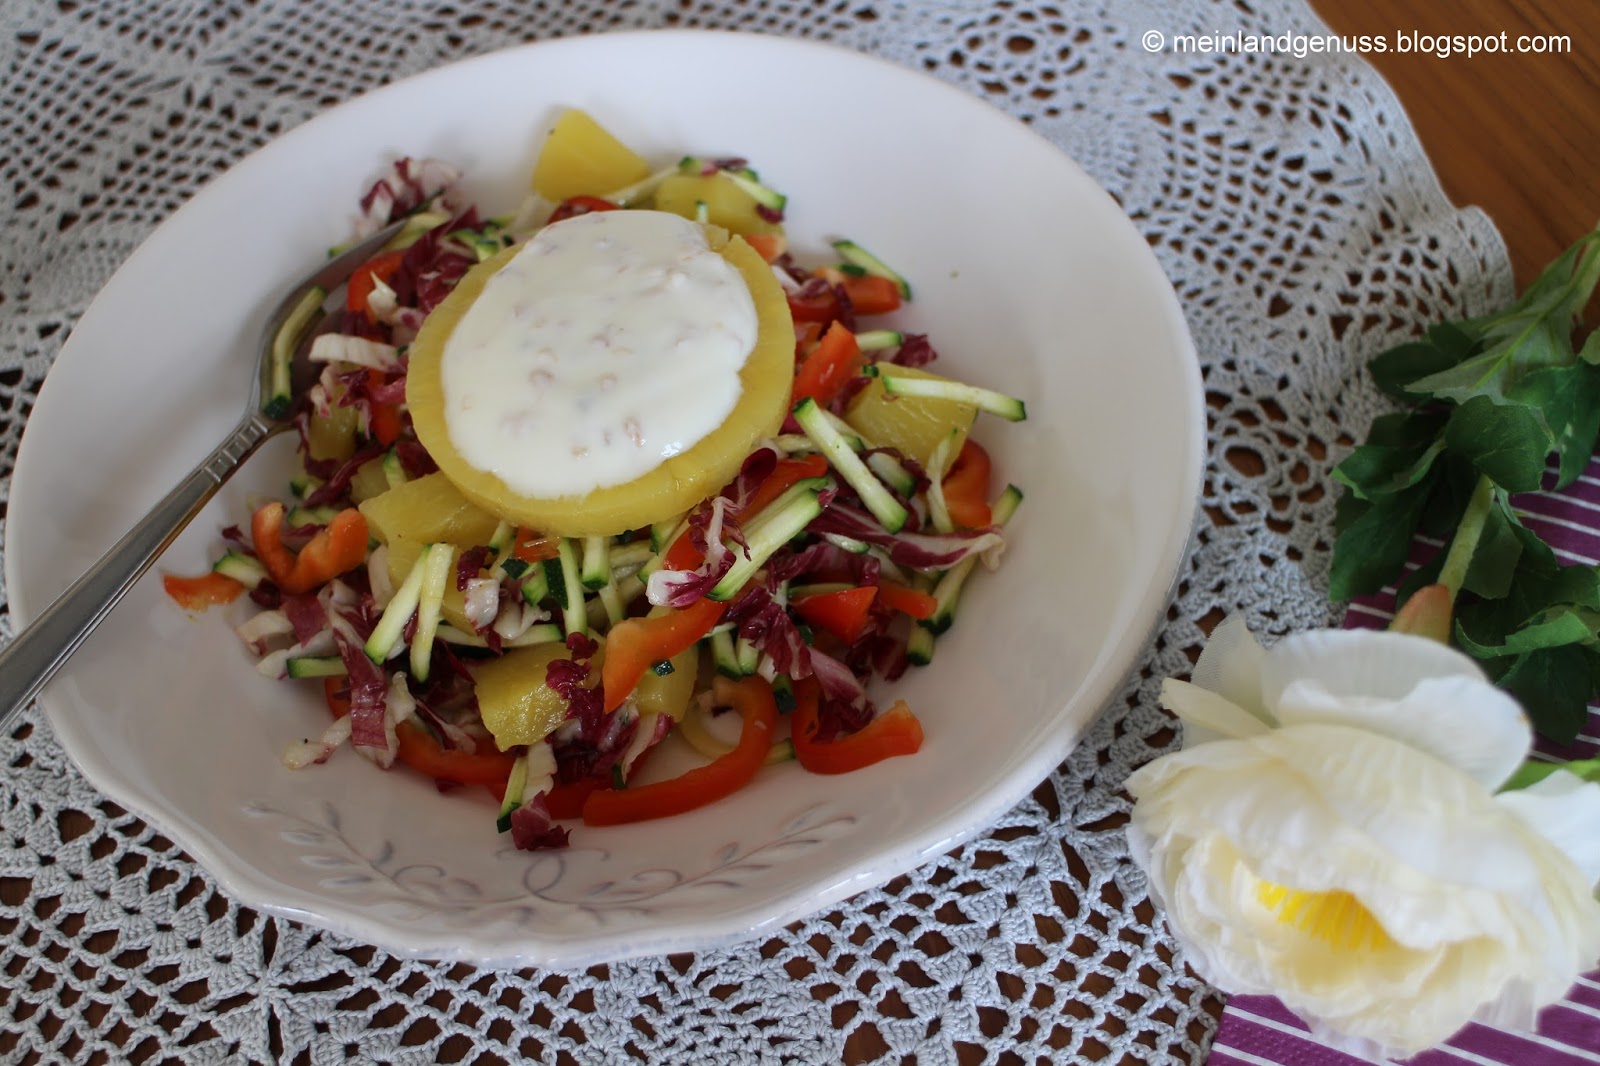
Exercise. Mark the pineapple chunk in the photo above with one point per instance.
(727, 205)
(428, 509)
(518, 707)
(669, 693)
(913, 424)
(580, 158)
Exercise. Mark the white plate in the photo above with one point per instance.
(1028, 278)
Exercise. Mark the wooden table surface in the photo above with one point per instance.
(1518, 135)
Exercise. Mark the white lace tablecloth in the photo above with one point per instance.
(1302, 227)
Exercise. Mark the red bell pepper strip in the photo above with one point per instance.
(683, 555)
(872, 295)
(894, 732)
(385, 423)
(785, 475)
(198, 593)
(338, 547)
(844, 613)
(752, 698)
(918, 605)
(636, 644)
(358, 291)
(818, 307)
(966, 487)
(833, 362)
(580, 205)
(567, 800)
(422, 753)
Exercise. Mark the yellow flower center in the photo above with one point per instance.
(1336, 918)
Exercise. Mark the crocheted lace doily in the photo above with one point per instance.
(1301, 225)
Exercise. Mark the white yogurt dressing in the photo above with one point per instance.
(611, 342)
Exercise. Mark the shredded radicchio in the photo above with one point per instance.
(368, 693)
(358, 386)
(566, 678)
(764, 622)
(414, 458)
(468, 564)
(914, 351)
(434, 264)
(306, 615)
(413, 183)
(921, 550)
(709, 524)
(532, 827)
(823, 557)
(755, 469)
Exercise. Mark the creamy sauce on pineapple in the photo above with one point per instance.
(611, 342)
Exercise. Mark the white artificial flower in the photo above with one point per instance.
(1331, 835)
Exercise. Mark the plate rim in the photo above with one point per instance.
(252, 887)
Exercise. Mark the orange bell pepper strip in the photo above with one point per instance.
(198, 593)
(636, 644)
(872, 295)
(423, 754)
(768, 246)
(752, 698)
(918, 605)
(844, 613)
(338, 547)
(358, 291)
(533, 547)
(894, 732)
(966, 487)
(835, 360)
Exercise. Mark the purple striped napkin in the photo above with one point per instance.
(1260, 1031)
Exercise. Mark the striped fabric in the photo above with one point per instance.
(1260, 1031)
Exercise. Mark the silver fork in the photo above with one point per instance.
(40, 650)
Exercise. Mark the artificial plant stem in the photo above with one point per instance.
(1465, 543)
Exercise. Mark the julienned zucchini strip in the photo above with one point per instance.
(996, 403)
(947, 592)
(884, 507)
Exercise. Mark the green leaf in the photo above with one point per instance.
(1395, 369)
(1552, 684)
(1374, 470)
(1533, 771)
(1347, 511)
(1567, 399)
(1508, 444)
(1550, 629)
(1534, 332)
(1374, 546)
(1399, 452)
(1454, 339)
(1453, 485)
(1494, 561)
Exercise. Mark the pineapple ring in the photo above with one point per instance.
(672, 487)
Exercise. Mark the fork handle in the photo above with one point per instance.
(40, 650)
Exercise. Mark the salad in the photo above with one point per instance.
(547, 664)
